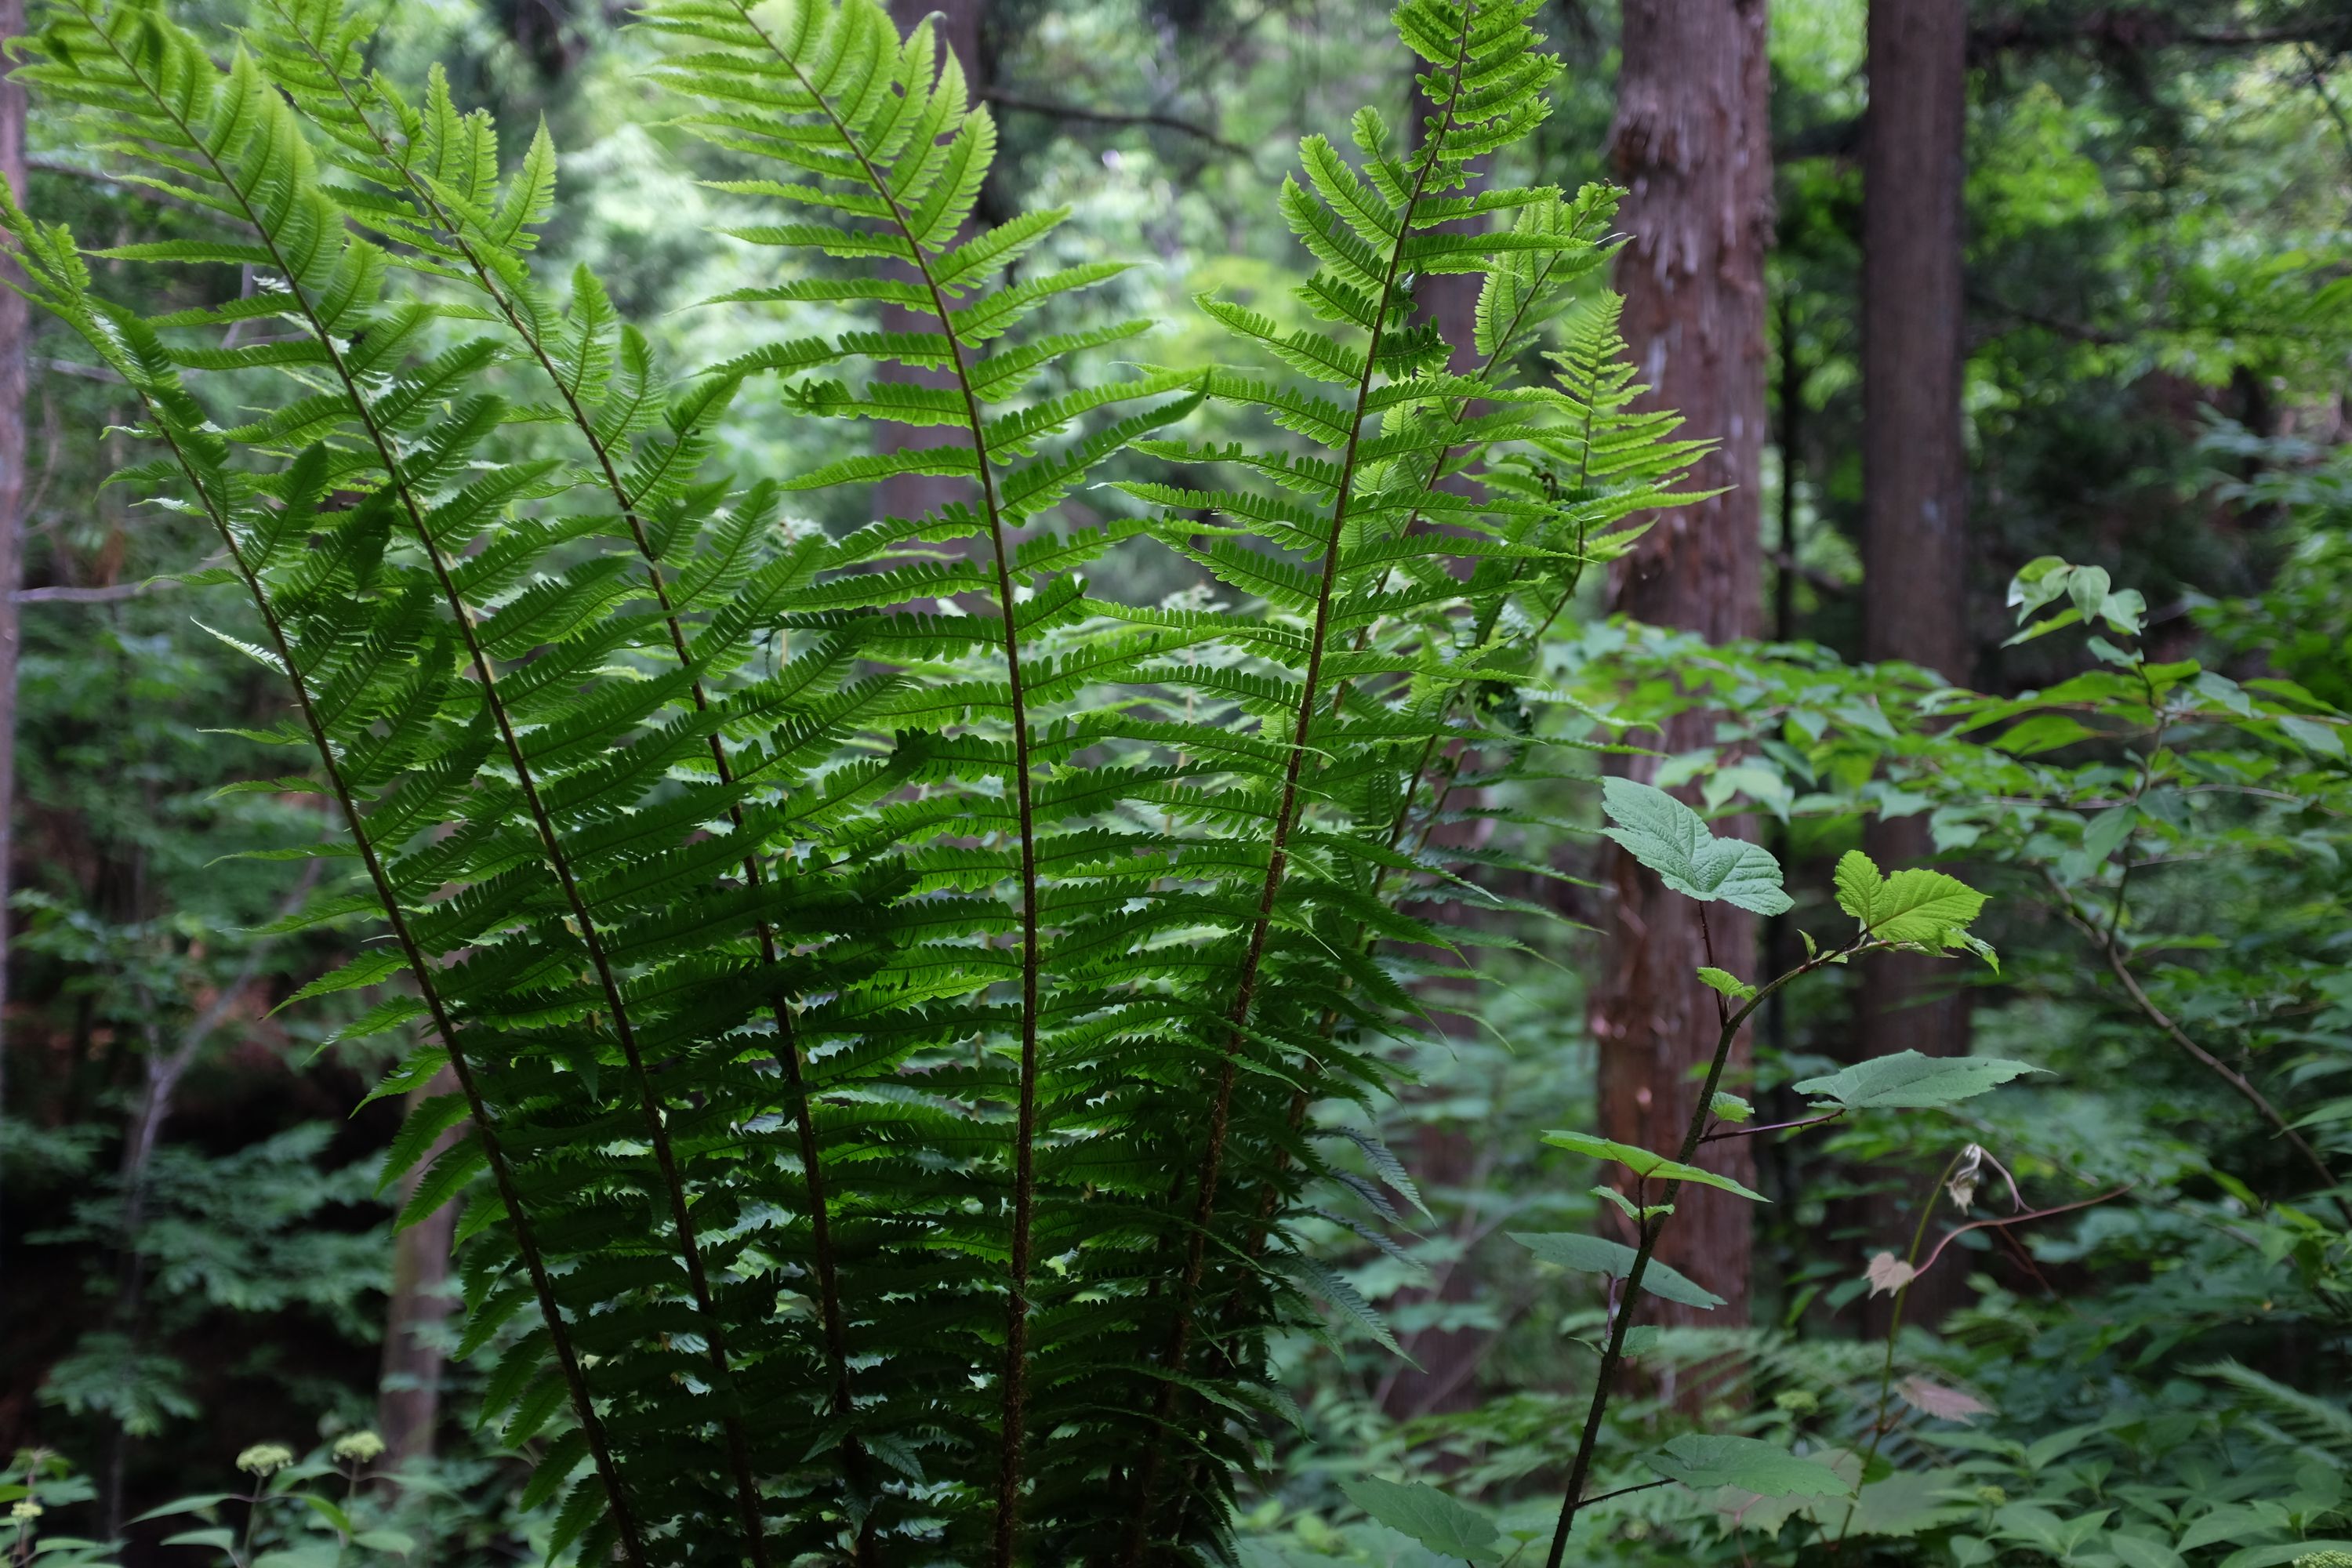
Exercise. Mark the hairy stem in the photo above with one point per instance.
(1580, 1469)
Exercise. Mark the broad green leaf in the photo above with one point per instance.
(1597, 1255)
(1857, 879)
(1914, 905)
(1643, 1162)
(2323, 739)
(1907, 1080)
(1428, 1515)
(1675, 841)
(2139, 1552)
(1729, 983)
(2285, 1553)
(2043, 733)
(1903, 1504)
(1701, 1460)
(1728, 1107)
(2108, 831)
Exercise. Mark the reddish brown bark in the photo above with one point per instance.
(1914, 475)
(1915, 469)
(1691, 146)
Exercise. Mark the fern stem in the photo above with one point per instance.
(788, 1058)
(494, 1152)
(1277, 855)
(1006, 1532)
(558, 861)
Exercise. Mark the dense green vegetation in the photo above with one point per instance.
(923, 734)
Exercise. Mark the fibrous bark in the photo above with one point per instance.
(1691, 145)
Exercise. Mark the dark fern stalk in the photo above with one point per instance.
(227, 143)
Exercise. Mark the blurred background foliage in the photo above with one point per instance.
(194, 1256)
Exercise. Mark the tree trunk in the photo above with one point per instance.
(16, 324)
(1691, 145)
(408, 1394)
(1915, 472)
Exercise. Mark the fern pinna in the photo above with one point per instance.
(889, 986)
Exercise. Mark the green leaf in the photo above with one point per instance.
(1643, 1162)
(2108, 831)
(1702, 1460)
(2044, 732)
(2273, 1556)
(1907, 1080)
(2323, 739)
(2139, 1552)
(1726, 982)
(1912, 906)
(1725, 1106)
(1597, 1255)
(392, 1541)
(1428, 1515)
(1675, 841)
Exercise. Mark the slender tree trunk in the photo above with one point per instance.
(1914, 471)
(1691, 145)
(408, 1394)
(16, 324)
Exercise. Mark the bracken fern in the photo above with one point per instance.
(889, 986)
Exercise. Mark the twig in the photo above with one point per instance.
(112, 593)
(75, 367)
(1020, 105)
(1938, 1250)
(2121, 966)
(1773, 1127)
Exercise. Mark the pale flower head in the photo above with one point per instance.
(357, 1448)
(265, 1459)
(26, 1511)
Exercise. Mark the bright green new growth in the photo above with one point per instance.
(891, 1036)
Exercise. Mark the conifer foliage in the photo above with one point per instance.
(893, 987)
